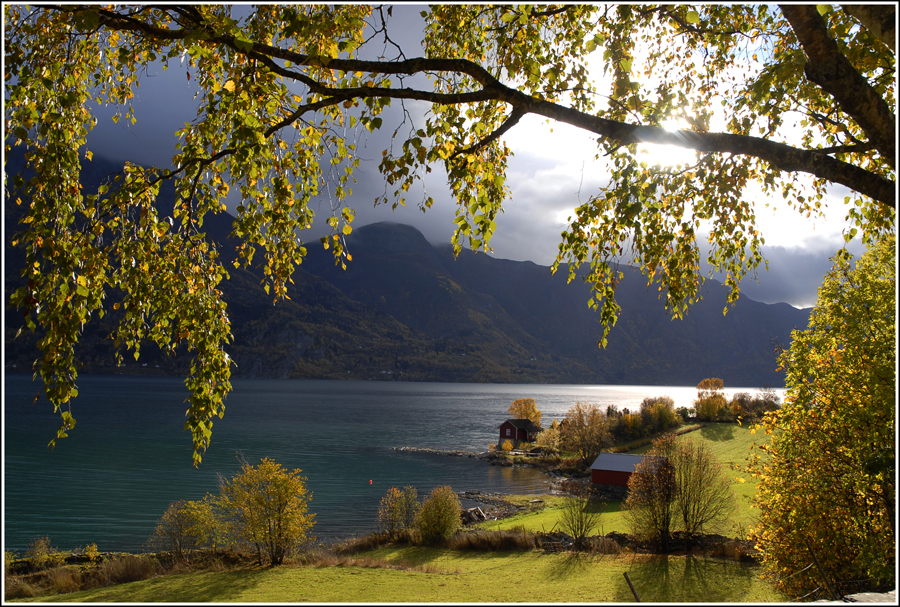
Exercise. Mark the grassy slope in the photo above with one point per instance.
(729, 442)
(461, 577)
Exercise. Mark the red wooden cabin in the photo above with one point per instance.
(518, 431)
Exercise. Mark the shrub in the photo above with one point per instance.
(91, 552)
(440, 515)
(604, 545)
(18, 589)
(42, 555)
(64, 580)
(493, 540)
(127, 569)
(507, 446)
(585, 431)
(176, 531)
(753, 408)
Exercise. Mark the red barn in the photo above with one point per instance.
(518, 430)
(614, 468)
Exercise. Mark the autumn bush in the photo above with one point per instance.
(64, 580)
(525, 408)
(440, 515)
(658, 414)
(585, 431)
(397, 511)
(42, 555)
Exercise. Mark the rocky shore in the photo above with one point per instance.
(453, 453)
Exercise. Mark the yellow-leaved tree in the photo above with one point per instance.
(267, 507)
(710, 399)
(525, 408)
(827, 475)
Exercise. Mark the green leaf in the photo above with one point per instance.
(692, 17)
(243, 45)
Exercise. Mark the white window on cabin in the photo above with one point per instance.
(507, 432)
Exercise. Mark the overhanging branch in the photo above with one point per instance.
(781, 156)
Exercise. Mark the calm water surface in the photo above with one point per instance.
(128, 457)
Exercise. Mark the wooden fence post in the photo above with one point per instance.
(630, 585)
(834, 595)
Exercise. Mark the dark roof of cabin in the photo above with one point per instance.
(523, 424)
(620, 462)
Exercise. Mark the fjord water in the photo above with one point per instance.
(128, 457)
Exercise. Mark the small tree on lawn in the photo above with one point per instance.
(704, 497)
(580, 517)
(650, 507)
(440, 515)
(680, 485)
(267, 507)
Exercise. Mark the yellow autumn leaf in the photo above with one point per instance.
(229, 86)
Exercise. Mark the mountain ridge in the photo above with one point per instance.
(409, 310)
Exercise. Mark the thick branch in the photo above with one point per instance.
(879, 19)
(779, 155)
(830, 69)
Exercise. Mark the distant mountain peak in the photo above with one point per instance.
(390, 237)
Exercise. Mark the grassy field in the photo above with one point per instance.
(730, 443)
(459, 577)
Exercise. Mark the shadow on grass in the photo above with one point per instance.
(571, 563)
(425, 555)
(719, 431)
(187, 588)
(669, 579)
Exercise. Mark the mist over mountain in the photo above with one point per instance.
(407, 310)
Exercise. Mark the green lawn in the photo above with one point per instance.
(460, 577)
(731, 444)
